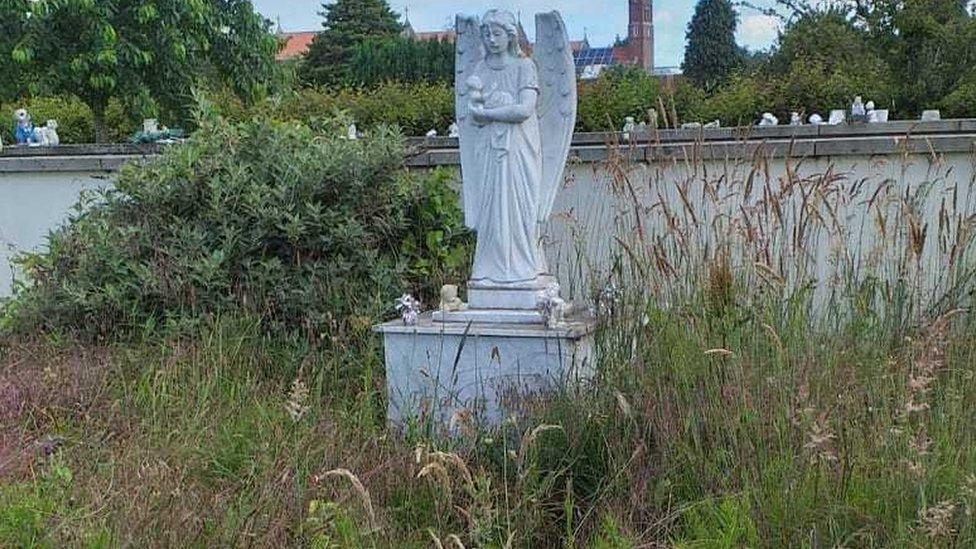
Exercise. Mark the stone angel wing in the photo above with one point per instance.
(557, 103)
(470, 51)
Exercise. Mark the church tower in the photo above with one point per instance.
(640, 34)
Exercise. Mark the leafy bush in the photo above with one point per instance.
(402, 59)
(415, 108)
(75, 121)
(812, 86)
(301, 229)
(961, 102)
(687, 101)
(740, 102)
(618, 93)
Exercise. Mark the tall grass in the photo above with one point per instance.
(786, 359)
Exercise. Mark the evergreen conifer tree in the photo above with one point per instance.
(711, 55)
(347, 24)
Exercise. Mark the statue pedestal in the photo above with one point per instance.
(481, 368)
(517, 295)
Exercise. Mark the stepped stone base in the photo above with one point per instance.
(515, 296)
(480, 370)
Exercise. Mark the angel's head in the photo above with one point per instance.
(499, 31)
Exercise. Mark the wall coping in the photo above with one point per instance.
(742, 143)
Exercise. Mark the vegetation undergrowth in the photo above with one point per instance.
(703, 430)
(296, 226)
(743, 396)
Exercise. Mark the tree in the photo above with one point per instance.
(619, 92)
(379, 60)
(149, 55)
(347, 24)
(827, 37)
(932, 50)
(922, 49)
(711, 54)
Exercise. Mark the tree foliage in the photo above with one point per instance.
(711, 54)
(920, 51)
(347, 24)
(380, 60)
(618, 93)
(13, 18)
(148, 54)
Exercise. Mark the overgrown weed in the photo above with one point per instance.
(768, 377)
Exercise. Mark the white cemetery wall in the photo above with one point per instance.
(842, 201)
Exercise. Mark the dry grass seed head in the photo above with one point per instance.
(360, 490)
(936, 522)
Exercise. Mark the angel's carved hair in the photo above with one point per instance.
(507, 21)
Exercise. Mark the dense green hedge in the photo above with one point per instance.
(75, 121)
(300, 228)
(808, 86)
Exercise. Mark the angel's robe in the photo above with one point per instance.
(509, 194)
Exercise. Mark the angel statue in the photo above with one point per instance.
(515, 120)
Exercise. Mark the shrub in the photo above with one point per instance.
(415, 108)
(961, 102)
(811, 86)
(75, 121)
(404, 59)
(687, 102)
(299, 228)
(740, 102)
(618, 93)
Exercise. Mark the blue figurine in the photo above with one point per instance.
(24, 133)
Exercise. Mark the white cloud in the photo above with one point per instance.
(757, 31)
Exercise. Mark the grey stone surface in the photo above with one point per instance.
(49, 163)
(443, 372)
(490, 316)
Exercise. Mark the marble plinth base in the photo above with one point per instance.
(490, 316)
(479, 373)
(519, 295)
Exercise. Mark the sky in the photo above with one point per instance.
(602, 20)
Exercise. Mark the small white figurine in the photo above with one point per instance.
(48, 135)
(859, 112)
(450, 302)
(795, 119)
(713, 124)
(691, 125)
(769, 120)
(551, 306)
(837, 116)
(816, 119)
(629, 127)
(931, 116)
(431, 134)
(352, 133)
(453, 130)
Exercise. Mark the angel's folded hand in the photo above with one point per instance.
(480, 115)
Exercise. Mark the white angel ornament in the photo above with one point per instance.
(515, 120)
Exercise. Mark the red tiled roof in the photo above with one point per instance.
(295, 44)
(434, 36)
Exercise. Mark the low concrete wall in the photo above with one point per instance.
(667, 194)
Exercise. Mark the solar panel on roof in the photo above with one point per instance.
(592, 57)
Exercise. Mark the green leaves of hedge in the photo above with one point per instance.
(302, 229)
